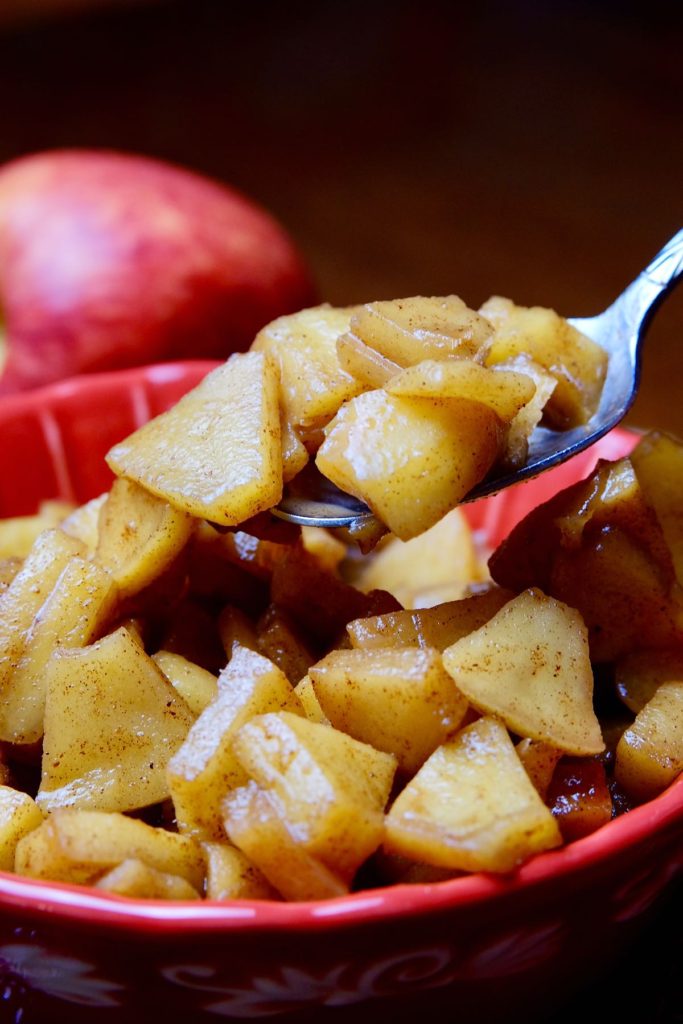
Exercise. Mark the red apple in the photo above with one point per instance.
(110, 260)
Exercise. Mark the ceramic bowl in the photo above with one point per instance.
(494, 947)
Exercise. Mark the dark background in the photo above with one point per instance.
(534, 149)
(531, 148)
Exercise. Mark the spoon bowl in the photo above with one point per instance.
(619, 330)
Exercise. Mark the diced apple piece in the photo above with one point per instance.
(304, 346)
(9, 567)
(502, 391)
(195, 685)
(204, 769)
(578, 363)
(279, 639)
(294, 453)
(236, 629)
(539, 760)
(400, 700)
(407, 331)
(112, 721)
(410, 459)
(137, 880)
(28, 590)
(217, 453)
(19, 533)
(80, 846)
(437, 566)
(83, 523)
(327, 549)
(471, 806)
(230, 875)
(305, 691)
(624, 598)
(438, 627)
(529, 665)
(579, 797)
(369, 367)
(75, 611)
(650, 752)
(658, 463)
(530, 415)
(19, 815)
(638, 675)
(318, 600)
(139, 536)
(254, 824)
(329, 789)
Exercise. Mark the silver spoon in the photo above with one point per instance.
(315, 501)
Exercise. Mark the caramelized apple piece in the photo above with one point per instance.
(529, 666)
(471, 806)
(437, 627)
(502, 391)
(400, 700)
(112, 722)
(386, 449)
(330, 790)
(407, 331)
(578, 363)
(217, 453)
(80, 846)
(579, 797)
(304, 347)
(255, 825)
(139, 536)
(650, 752)
(439, 565)
(205, 768)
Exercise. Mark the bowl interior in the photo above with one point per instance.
(53, 445)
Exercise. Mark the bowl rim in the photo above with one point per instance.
(85, 905)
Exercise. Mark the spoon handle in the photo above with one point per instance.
(637, 303)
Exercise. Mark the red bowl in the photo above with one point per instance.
(497, 947)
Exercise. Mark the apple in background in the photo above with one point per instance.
(110, 260)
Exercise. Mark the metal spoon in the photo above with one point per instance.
(315, 501)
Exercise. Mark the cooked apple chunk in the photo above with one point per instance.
(407, 331)
(529, 666)
(503, 391)
(197, 686)
(329, 789)
(658, 464)
(112, 721)
(438, 627)
(578, 364)
(80, 846)
(75, 611)
(400, 700)
(439, 565)
(139, 535)
(137, 880)
(205, 768)
(30, 586)
(650, 752)
(19, 815)
(366, 364)
(471, 806)
(217, 453)
(254, 822)
(304, 347)
(410, 459)
(230, 875)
